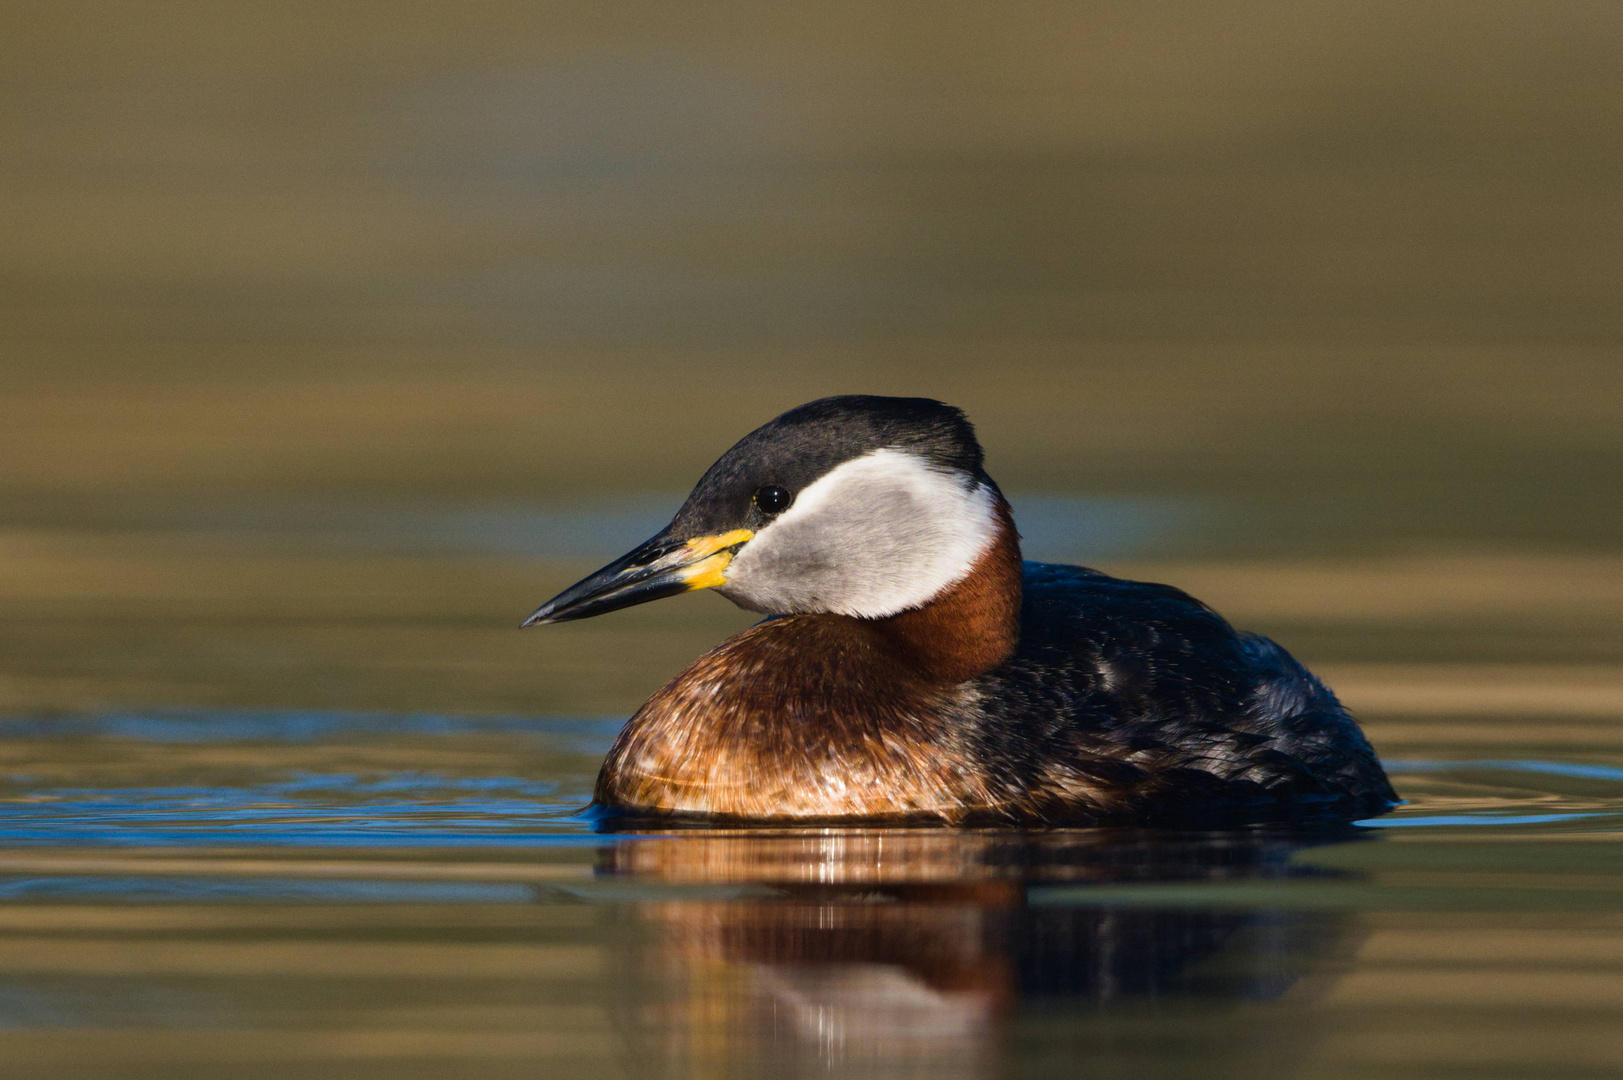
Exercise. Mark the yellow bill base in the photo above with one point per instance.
(713, 554)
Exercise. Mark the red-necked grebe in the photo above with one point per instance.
(915, 668)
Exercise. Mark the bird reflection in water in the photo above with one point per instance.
(864, 951)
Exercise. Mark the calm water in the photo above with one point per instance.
(218, 893)
(223, 889)
(285, 793)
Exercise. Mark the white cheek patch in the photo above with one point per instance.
(878, 535)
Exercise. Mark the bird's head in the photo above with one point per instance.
(853, 505)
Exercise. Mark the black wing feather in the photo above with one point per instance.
(1205, 718)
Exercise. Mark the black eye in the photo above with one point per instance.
(773, 499)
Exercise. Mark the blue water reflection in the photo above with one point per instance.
(136, 889)
(1547, 768)
(330, 810)
(204, 725)
(287, 802)
(1475, 819)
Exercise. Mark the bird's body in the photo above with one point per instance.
(995, 691)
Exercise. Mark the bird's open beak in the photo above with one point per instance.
(663, 566)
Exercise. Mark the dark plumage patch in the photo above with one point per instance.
(1216, 724)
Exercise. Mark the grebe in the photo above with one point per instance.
(912, 667)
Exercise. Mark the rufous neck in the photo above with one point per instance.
(973, 625)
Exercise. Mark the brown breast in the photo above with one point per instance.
(825, 716)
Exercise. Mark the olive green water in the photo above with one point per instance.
(336, 337)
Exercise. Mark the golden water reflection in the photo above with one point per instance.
(868, 951)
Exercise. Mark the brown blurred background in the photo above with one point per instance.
(317, 320)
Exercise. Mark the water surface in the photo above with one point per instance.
(209, 892)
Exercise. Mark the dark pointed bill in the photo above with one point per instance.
(658, 568)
